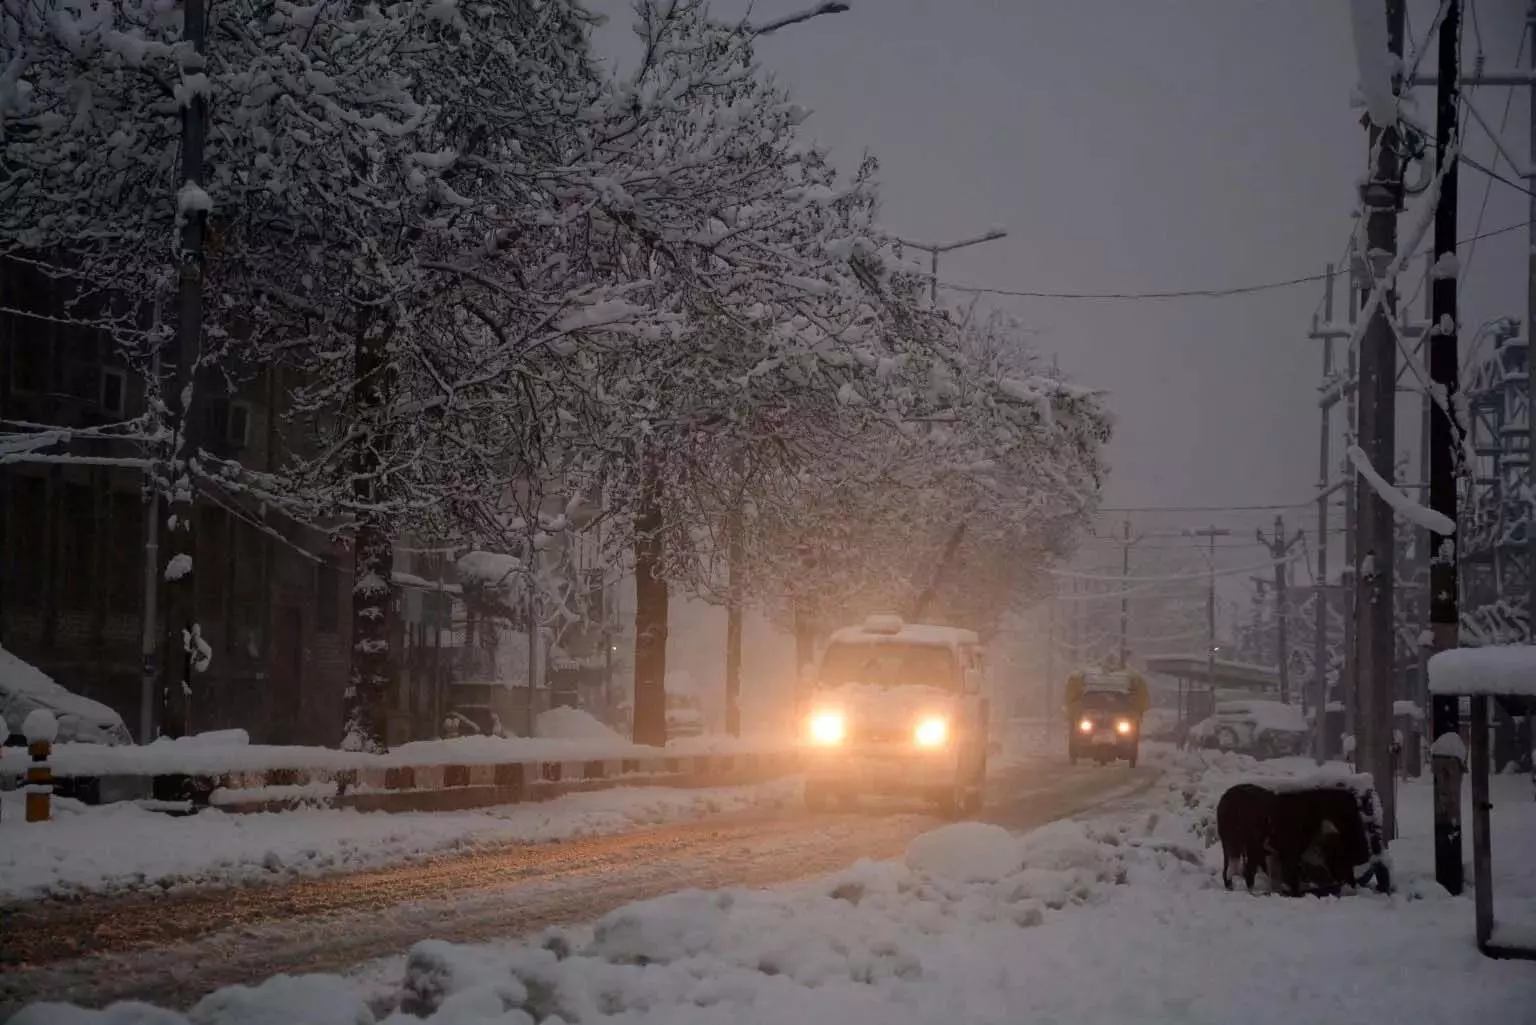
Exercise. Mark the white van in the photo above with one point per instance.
(898, 708)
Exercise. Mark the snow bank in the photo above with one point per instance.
(122, 846)
(969, 852)
(574, 724)
(1496, 669)
(1117, 920)
(214, 758)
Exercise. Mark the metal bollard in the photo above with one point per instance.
(40, 729)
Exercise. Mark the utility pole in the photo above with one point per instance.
(1126, 544)
(1279, 548)
(1381, 196)
(1444, 607)
(1328, 333)
(1211, 533)
(181, 619)
(1530, 348)
(934, 249)
(1050, 663)
(1350, 682)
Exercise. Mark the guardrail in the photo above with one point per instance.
(440, 787)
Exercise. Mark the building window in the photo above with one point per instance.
(29, 365)
(327, 598)
(237, 425)
(114, 391)
(29, 525)
(77, 527)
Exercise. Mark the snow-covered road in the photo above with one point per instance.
(174, 948)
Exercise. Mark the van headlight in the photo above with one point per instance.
(1086, 726)
(828, 728)
(931, 732)
(1123, 727)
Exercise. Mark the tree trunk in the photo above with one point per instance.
(650, 610)
(734, 557)
(373, 556)
(951, 547)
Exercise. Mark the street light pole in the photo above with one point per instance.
(934, 249)
(1212, 533)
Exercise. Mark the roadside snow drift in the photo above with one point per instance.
(121, 846)
(1116, 920)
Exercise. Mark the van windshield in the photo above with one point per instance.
(889, 664)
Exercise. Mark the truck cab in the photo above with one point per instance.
(898, 708)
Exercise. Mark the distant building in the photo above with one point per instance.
(271, 598)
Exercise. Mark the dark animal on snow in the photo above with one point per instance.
(1244, 822)
(1318, 836)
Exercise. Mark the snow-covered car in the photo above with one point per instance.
(684, 722)
(24, 688)
(1162, 724)
(1264, 729)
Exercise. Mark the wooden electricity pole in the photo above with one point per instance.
(1382, 195)
(1279, 547)
(1444, 608)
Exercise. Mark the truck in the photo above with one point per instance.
(1104, 711)
(898, 708)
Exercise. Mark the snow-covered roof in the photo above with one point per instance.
(887, 629)
(1228, 674)
(1496, 669)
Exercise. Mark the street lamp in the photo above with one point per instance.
(933, 250)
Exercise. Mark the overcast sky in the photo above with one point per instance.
(1135, 146)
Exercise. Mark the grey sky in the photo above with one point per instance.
(1131, 146)
(1135, 146)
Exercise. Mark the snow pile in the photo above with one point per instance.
(224, 755)
(574, 724)
(1121, 919)
(1496, 669)
(211, 739)
(122, 846)
(971, 852)
(40, 726)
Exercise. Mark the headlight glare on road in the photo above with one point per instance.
(931, 732)
(1086, 726)
(827, 728)
(1123, 727)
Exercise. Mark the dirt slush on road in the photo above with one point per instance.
(175, 948)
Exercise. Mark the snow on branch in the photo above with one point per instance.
(1405, 507)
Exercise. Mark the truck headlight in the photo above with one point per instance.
(931, 732)
(1123, 727)
(1086, 726)
(828, 728)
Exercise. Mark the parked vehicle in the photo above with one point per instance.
(1263, 729)
(24, 688)
(898, 708)
(1162, 724)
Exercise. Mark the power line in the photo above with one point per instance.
(1190, 293)
(1509, 97)
(1205, 508)
(1175, 577)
